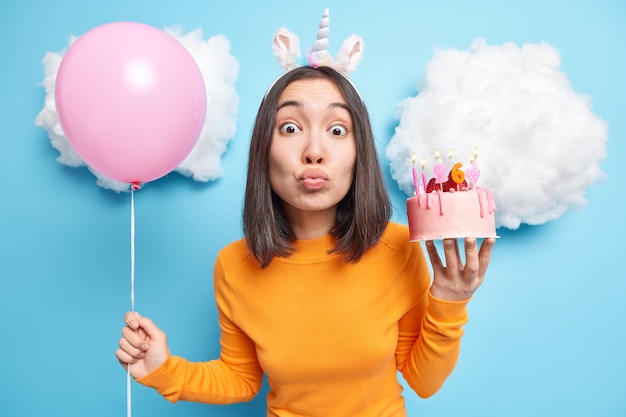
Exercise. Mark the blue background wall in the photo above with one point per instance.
(547, 329)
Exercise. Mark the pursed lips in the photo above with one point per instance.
(313, 179)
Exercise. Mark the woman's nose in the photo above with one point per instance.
(314, 152)
(314, 160)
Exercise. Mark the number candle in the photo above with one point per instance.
(439, 170)
(458, 176)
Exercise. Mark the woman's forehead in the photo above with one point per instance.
(312, 88)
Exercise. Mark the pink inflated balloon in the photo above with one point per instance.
(131, 101)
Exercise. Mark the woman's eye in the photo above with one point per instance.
(338, 130)
(289, 128)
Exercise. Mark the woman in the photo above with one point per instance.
(324, 295)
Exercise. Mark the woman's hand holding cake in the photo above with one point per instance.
(456, 281)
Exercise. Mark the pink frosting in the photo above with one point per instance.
(457, 214)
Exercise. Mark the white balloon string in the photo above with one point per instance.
(132, 290)
(128, 394)
(132, 250)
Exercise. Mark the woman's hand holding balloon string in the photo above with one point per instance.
(143, 345)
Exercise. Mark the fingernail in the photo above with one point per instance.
(144, 346)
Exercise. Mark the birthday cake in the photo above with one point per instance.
(451, 206)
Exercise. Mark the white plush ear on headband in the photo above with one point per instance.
(349, 55)
(286, 48)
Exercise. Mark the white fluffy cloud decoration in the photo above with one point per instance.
(219, 70)
(539, 145)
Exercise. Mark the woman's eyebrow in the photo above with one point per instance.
(340, 105)
(286, 103)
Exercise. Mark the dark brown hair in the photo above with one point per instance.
(362, 214)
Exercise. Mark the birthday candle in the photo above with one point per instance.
(439, 169)
(473, 173)
(458, 176)
(414, 172)
(423, 163)
(440, 173)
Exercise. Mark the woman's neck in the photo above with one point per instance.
(307, 225)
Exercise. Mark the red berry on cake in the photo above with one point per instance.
(432, 186)
(446, 186)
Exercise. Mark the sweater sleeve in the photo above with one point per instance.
(430, 340)
(235, 377)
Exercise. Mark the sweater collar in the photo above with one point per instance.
(312, 250)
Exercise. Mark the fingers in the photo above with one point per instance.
(133, 346)
(132, 319)
(484, 255)
(142, 345)
(452, 254)
(135, 338)
(471, 258)
(435, 260)
(459, 279)
(478, 261)
(143, 325)
(127, 353)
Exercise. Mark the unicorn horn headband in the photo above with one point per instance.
(286, 48)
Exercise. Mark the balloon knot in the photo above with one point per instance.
(135, 186)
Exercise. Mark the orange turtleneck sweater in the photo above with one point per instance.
(330, 335)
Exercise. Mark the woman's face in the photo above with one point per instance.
(313, 150)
